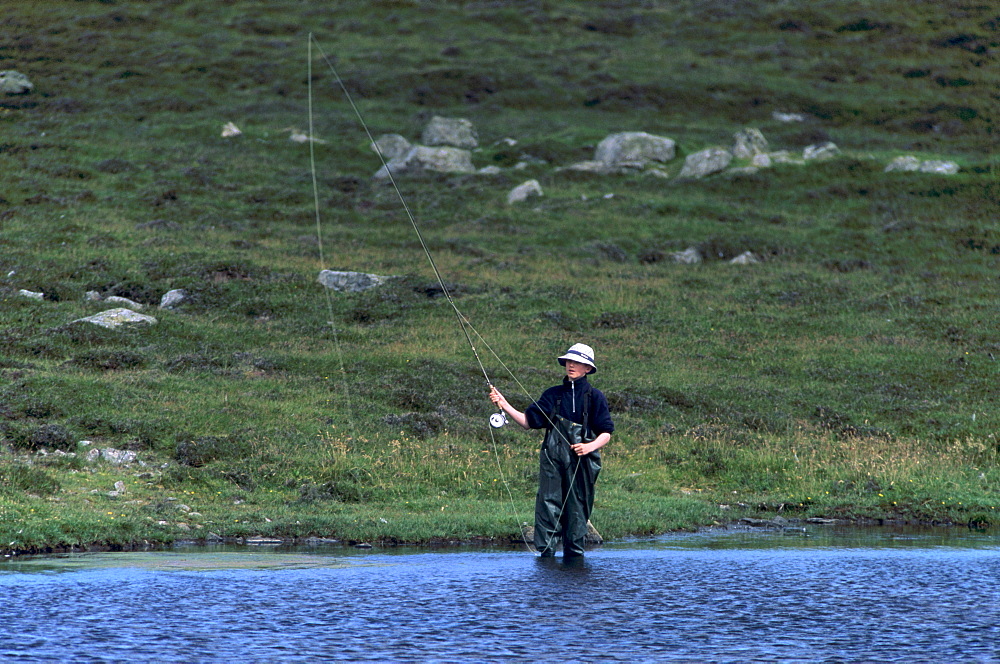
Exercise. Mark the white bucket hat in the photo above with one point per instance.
(581, 353)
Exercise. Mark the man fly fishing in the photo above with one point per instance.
(577, 424)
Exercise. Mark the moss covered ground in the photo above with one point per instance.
(852, 373)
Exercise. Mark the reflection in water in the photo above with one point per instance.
(712, 597)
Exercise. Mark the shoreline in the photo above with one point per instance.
(748, 524)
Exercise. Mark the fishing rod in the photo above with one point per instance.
(498, 419)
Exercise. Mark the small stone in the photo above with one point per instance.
(114, 318)
(826, 150)
(173, 298)
(788, 117)
(940, 167)
(350, 282)
(905, 163)
(523, 191)
(689, 256)
(746, 258)
(123, 302)
(15, 83)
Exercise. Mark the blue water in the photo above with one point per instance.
(821, 596)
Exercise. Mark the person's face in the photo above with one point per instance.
(575, 370)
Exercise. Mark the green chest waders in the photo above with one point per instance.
(565, 485)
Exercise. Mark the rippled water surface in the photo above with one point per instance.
(816, 596)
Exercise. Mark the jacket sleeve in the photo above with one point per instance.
(600, 414)
(537, 414)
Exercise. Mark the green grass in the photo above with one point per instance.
(850, 374)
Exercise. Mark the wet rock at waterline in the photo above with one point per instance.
(350, 282)
(454, 132)
(524, 191)
(634, 149)
(424, 158)
(115, 318)
(706, 162)
(15, 83)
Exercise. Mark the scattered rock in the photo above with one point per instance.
(92, 296)
(748, 143)
(350, 282)
(15, 83)
(940, 167)
(909, 163)
(587, 167)
(761, 161)
(746, 258)
(298, 136)
(784, 157)
(490, 170)
(905, 163)
(115, 318)
(112, 456)
(123, 302)
(230, 129)
(454, 132)
(706, 162)
(826, 150)
(689, 256)
(423, 158)
(524, 191)
(634, 149)
(173, 298)
(391, 146)
(31, 294)
(788, 117)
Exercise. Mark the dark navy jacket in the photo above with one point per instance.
(572, 406)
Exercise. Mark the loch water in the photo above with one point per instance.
(820, 594)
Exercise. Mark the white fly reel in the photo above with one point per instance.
(497, 420)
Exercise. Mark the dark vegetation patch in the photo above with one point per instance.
(129, 433)
(103, 359)
(22, 478)
(421, 425)
(31, 436)
(197, 451)
(844, 426)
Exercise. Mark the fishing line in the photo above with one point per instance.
(463, 321)
(322, 258)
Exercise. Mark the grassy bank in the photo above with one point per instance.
(852, 373)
